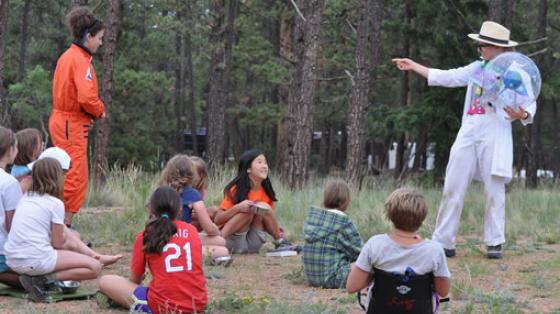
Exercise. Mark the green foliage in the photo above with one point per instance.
(147, 60)
(142, 128)
(32, 98)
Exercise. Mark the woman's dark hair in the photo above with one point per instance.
(28, 140)
(164, 205)
(48, 178)
(82, 21)
(242, 183)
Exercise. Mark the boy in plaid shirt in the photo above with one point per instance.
(332, 241)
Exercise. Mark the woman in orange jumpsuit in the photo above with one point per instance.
(76, 103)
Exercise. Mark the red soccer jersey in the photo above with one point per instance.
(178, 284)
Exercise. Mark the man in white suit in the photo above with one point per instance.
(483, 149)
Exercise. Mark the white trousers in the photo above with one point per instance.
(472, 154)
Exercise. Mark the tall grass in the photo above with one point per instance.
(115, 212)
(531, 215)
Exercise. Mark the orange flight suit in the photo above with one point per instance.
(75, 104)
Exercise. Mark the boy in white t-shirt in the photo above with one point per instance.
(10, 194)
(402, 248)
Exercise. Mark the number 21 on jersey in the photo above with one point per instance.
(176, 255)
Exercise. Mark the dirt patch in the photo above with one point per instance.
(528, 278)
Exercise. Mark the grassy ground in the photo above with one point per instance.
(527, 280)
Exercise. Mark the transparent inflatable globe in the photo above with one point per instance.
(510, 79)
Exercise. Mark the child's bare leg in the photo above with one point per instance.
(269, 224)
(118, 289)
(75, 266)
(214, 251)
(212, 240)
(73, 243)
(10, 278)
(76, 233)
(238, 223)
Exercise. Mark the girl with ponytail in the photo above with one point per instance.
(173, 251)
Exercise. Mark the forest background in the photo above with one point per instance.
(310, 82)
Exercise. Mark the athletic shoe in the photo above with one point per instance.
(36, 287)
(285, 245)
(222, 261)
(450, 252)
(494, 251)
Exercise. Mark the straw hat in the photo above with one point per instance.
(494, 34)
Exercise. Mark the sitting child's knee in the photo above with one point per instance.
(96, 269)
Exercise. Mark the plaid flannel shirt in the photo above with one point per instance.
(332, 243)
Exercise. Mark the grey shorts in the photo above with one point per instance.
(250, 241)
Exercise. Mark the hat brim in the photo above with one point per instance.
(510, 43)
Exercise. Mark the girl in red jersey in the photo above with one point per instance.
(173, 252)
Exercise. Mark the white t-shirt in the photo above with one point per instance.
(383, 253)
(30, 236)
(10, 194)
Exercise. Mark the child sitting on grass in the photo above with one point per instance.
(40, 247)
(244, 228)
(200, 183)
(30, 145)
(10, 194)
(332, 241)
(179, 174)
(173, 252)
(402, 248)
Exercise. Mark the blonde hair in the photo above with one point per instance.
(178, 173)
(200, 181)
(406, 209)
(336, 195)
(48, 177)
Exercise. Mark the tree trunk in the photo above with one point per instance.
(228, 83)
(184, 85)
(556, 141)
(405, 89)
(323, 152)
(420, 153)
(221, 40)
(216, 95)
(357, 112)
(502, 11)
(285, 52)
(5, 119)
(357, 128)
(303, 89)
(188, 85)
(179, 65)
(24, 37)
(534, 130)
(113, 24)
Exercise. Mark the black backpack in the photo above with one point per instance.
(406, 293)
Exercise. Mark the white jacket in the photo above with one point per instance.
(502, 159)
